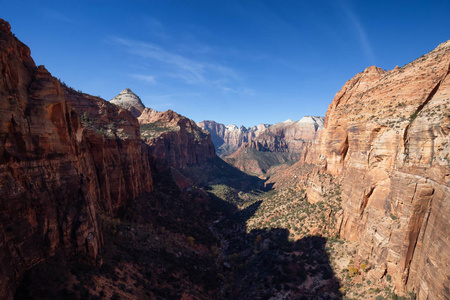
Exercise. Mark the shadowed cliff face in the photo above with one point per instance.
(65, 157)
(386, 136)
(188, 243)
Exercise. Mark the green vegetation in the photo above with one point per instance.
(157, 126)
(413, 116)
(153, 130)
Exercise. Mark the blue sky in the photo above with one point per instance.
(242, 62)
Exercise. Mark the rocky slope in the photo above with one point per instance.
(277, 144)
(65, 158)
(386, 140)
(175, 140)
(129, 101)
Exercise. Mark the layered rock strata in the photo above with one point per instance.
(386, 137)
(64, 158)
(175, 140)
(279, 137)
(277, 144)
(228, 138)
(289, 136)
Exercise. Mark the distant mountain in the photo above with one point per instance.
(130, 101)
(228, 138)
(277, 144)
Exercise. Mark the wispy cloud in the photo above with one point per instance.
(176, 65)
(239, 91)
(365, 44)
(155, 28)
(145, 78)
(165, 101)
(56, 15)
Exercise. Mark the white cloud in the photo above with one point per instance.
(55, 15)
(239, 91)
(176, 65)
(365, 44)
(146, 78)
(165, 101)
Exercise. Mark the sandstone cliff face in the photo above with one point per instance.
(174, 140)
(290, 136)
(130, 101)
(64, 157)
(386, 136)
(228, 138)
(277, 144)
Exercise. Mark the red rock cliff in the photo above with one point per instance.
(174, 140)
(65, 157)
(387, 137)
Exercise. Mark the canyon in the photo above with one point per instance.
(257, 149)
(110, 199)
(228, 138)
(70, 162)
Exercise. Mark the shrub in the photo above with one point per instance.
(413, 116)
(352, 271)
(363, 266)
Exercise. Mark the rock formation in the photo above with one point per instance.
(228, 138)
(130, 101)
(64, 158)
(386, 138)
(69, 161)
(277, 144)
(174, 140)
(290, 136)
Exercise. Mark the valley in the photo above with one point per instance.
(114, 200)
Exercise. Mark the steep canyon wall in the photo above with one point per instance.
(65, 159)
(386, 137)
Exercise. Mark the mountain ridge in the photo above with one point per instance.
(228, 138)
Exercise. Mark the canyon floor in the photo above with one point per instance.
(229, 236)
